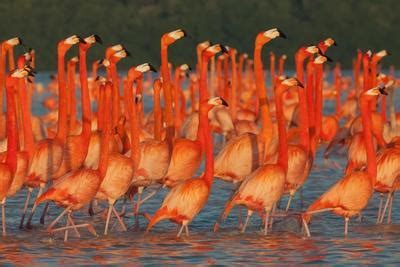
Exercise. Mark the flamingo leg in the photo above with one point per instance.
(289, 202)
(266, 222)
(87, 225)
(380, 208)
(389, 219)
(91, 210)
(49, 228)
(150, 195)
(272, 218)
(44, 213)
(180, 231)
(187, 230)
(240, 223)
(346, 225)
(305, 225)
(3, 216)
(28, 198)
(121, 222)
(28, 223)
(66, 232)
(73, 224)
(384, 208)
(110, 207)
(249, 213)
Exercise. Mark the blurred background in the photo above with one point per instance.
(139, 24)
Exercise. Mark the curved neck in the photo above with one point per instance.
(233, 94)
(157, 113)
(266, 130)
(29, 143)
(304, 123)
(2, 75)
(204, 130)
(71, 104)
(85, 98)
(11, 127)
(177, 105)
(106, 131)
(318, 100)
(299, 67)
(100, 109)
(281, 66)
(115, 94)
(272, 68)
(338, 88)
(283, 146)
(11, 60)
(367, 133)
(166, 83)
(239, 78)
(62, 98)
(134, 123)
(203, 93)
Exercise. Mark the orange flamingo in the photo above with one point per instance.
(10, 169)
(48, 152)
(243, 154)
(264, 187)
(186, 154)
(186, 199)
(350, 195)
(120, 169)
(77, 188)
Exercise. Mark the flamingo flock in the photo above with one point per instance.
(270, 131)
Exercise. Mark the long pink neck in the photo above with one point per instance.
(71, 67)
(134, 123)
(12, 131)
(266, 130)
(204, 129)
(283, 146)
(106, 131)
(272, 68)
(85, 98)
(2, 75)
(166, 82)
(367, 133)
(157, 112)
(233, 101)
(115, 94)
(318, 101)
(29, 143)
(62, 98)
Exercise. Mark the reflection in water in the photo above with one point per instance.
(285, 244)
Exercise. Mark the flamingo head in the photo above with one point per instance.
(328, 42)
(217, 101)
(68, 42)
(117, 56)
(245, 55)
(266, 36)
(312, 49)
(321, 59)
(381, 54)
(89, 41)
(171, 37)
(13, 42)
(375, 91)
(137, 71)
(112, 50)
(203, 45)
(104, 62)
(290, 82)
(284, 57)
(214, 49)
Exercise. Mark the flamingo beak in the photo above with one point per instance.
(98, 39)
(224, 102)
(382, 90)
(81, 40)
(281, 34)
(152, 68)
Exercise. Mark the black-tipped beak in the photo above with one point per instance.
(299, 84)
(328, 58)
(388, 53)
(224, 102)
(382, 90)
(98, 39)
(223, 49)
(20, 41)
(29, 80)
(152, 68)
(185, 34)
(127, 53)
(335, 43)
(189, 68)
(97, 78)
(281, 34)
(81, 40)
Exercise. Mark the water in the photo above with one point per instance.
(285, 244)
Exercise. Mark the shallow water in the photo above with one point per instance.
(285, 243)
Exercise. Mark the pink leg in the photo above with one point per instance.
(49, 228)
(28, 198)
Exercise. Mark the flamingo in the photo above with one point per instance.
(77, 188)
(243, 154)
(12, 167)
(120, 169)
(186, 199)
(350, 195)
(186, 154)
(264, 187)
(48, 152)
